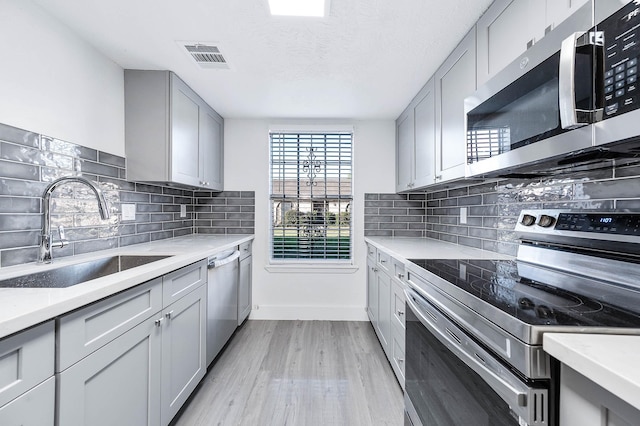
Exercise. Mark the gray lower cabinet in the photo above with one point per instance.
(33, 408)
(585, 403)
(27, 384)
(119, 384)
(135, 357)
(245, 283)
(386, 306)
(184, 361)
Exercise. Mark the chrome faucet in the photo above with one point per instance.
(46, 239)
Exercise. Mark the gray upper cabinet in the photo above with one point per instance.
(509, 27)
(454, 81)
(416, 131)
(171, 134)
(505, 31)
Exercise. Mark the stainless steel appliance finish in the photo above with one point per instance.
(569, 100)
(222, 300)
(574, 272)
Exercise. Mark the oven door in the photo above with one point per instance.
(451, 380)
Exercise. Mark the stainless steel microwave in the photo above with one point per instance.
(572, 98)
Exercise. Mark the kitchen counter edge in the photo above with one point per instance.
(22, 308)
(610, 361)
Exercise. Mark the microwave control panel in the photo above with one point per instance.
(621, 55)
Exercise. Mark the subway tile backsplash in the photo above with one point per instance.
(29, 161)
(493, 207)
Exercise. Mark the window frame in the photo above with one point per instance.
(311, 264)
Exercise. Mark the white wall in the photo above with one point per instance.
(54, 83)
(300, 294)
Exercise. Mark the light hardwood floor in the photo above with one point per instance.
(298, 373)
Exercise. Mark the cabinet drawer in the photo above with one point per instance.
(245, 250)
(178, 283)
(26, 359)
(397, 354)
(384, 261)
(82, 332)
(398, 304)
(371, 252)
(36, 407)
(397, 269)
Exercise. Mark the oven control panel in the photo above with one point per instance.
(613, 223)
(612, 226)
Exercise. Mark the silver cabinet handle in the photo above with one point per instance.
(401, 276)
(400, 360)
(400, 313)
(168, 314)
(158, 322)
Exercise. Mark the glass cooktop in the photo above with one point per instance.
(498, 283)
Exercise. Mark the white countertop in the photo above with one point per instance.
(611, 361)
(427, 248)
(21, 308)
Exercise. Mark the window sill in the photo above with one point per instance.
(313, 268)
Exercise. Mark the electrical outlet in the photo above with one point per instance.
(463, 215)
(183, 210)
(128, 211)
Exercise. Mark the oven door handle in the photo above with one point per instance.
(516, 393)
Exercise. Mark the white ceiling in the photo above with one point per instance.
(365, 61)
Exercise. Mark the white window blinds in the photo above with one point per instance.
(311, 195)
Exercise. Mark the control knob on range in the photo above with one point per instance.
(528, 220)
(546, 221)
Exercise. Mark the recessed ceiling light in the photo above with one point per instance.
(313, 8)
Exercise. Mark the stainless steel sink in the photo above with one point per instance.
(69, 275)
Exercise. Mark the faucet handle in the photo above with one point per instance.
(63, 241)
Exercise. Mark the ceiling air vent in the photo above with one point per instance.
(206, 55)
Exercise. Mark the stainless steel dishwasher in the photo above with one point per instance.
(222, 300)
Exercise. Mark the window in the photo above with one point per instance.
(311, 195)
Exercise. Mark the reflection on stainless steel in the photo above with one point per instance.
(576, 271)
(46, 243)
(70, 275)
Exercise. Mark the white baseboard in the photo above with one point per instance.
(321, 313)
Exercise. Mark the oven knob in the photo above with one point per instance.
(528, 220)
(546, 221)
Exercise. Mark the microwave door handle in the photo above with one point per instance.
(566, 83)
(566, 80)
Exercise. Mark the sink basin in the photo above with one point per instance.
(67, 276)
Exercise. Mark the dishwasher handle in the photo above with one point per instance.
(216, 263)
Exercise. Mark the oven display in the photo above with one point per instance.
(616, 223)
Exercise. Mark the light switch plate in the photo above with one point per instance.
(463, 215)
(128, 212)
(183, 210)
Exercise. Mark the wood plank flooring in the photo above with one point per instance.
(298, 373)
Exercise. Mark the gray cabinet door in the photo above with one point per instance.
(455, 80)
(86, 330)
(178, 283)
(119, 384)
(384, 310)
(405, 153)
(424, 113)
(505, 31)
(183, 351)
(372, 291)
(26, 359)
(244, 289)
(211, 148)
(559, 10)
(185, 139)
(33, 408)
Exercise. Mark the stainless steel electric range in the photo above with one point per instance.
(474, 327)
